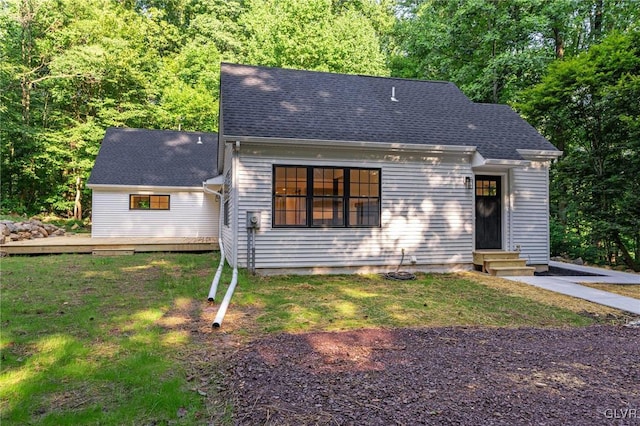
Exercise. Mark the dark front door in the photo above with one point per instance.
(488, 212)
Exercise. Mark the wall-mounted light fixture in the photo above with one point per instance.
(467, 182)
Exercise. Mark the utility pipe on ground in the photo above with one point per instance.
(222, 310)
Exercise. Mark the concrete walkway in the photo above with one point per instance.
(570, 285)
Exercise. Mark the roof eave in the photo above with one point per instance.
(218, 180)
(540, 154)
(480, 162)
(143, 187)
(374, 146)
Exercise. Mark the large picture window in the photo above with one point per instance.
(326, 197)
(148, 202)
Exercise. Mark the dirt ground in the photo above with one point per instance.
(586, 376)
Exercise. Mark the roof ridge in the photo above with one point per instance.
(137, 129)
(339, 73)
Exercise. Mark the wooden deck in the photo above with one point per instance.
(83, 243)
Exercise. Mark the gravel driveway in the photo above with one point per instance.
(468, 376)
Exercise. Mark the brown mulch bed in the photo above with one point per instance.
(584, 376)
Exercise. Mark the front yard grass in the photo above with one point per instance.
(128, 340)
(306, 303)
(88, 340)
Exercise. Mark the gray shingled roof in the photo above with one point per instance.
(155, 158)
(285, 103)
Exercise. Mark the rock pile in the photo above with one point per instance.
(567, 259)
(28, 230)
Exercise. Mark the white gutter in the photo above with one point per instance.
(218, 180)
(336, 144)
(222, 310)
(479, 162)
(511, 178)
(216, 278)
(539, 155)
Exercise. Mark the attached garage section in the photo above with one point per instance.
(185, 214)
(150, 183)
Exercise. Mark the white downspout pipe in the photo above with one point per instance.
(512, 201)
(222, 310)
(216, 278)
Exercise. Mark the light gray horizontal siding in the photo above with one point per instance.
(425, 209)
(191, 214)
(531, 213)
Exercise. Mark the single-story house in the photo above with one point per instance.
(325, 172)
(348, 172)
(149, 183)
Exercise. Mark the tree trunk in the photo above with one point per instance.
(596, 25)
(630, 262)
(559, 43)
(26, 52)
(495, 74)
(77, 207)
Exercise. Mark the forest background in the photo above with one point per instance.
(71, 68)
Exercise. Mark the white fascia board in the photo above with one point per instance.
(147, 188)
(479, 162)
(539, 155)
(373, 146)
(218, 180)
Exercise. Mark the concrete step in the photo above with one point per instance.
(512, 271)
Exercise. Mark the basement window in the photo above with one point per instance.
(320, 197)
(148, 202)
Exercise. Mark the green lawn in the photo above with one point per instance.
(84, 342)
(303, 303)
(127, 340)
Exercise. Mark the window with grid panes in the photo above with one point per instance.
(306, 196)
(148, 202)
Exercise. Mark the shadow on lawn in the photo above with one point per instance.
(89, 340)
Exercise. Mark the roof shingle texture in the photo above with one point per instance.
(294, 104)
(155, 158)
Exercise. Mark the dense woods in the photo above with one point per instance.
(71, 68)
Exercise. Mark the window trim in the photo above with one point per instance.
(309, 197)
(148, 196)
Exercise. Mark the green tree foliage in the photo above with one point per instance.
(588, 106)
(70, 69)
(73, 67)
(493, 49)
(187, 82)
(313, 35)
